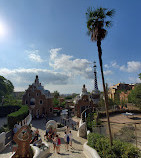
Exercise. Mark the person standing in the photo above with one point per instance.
(70, 137)
(58, 144)
(66, 139)
(67, 130)
(54, 143)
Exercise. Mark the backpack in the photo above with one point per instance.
(68, 138)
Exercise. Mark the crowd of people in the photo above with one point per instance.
(52, 136)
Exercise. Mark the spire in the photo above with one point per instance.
(95, 77)
(37, 80)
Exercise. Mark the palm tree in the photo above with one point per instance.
(96, 24)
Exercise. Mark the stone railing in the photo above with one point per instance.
(3, 143)
(90, 152)
(26, 121)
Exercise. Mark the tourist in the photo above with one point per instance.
(54, 143)
(67, 130)
(36, 134)
(72, 125)
(15, 129)
(58, 144)
(46, 134)
(66, 139)
(70, 136)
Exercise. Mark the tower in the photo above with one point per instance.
(95, 78)
(95, 92)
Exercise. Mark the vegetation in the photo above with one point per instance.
(5, 110)
(6, 87)
(92, 120)
(119, 149)
(10, 100)
(56, 94)
(96, 24)
(126, 134)
(17, 116)
(135, 95)
(140, 76)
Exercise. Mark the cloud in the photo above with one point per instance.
(134, 80)
(106, 66)
(132, 66)
(23, 77)
(108, 72)
(70, 65)
(33, 55)
(112, 64)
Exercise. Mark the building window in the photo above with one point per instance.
(29, 94)
(41, 102)
(26, 102)
(37, 94)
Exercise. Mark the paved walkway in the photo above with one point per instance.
(77, 144)
(76, 152)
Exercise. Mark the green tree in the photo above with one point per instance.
(135, 95)
(6, 87)
(140, 76)
(96, 24)
(56, 94)
(56, 102)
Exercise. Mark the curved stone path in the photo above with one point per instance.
(76, 152)
(77, 143)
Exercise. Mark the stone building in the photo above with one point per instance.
(87, 100)
(121, 88)
(38, 99)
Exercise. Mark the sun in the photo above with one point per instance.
(2, 29)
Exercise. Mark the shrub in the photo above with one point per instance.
(118, 150)
(17, 116)
(5, 110)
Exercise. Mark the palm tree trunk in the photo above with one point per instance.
(104, 88)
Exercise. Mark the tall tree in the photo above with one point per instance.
(140, 76)
(96, 24)
(6, 87)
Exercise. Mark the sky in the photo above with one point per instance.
(49, 38)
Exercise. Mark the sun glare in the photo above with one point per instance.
(2, 30)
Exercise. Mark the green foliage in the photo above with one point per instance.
(10, 100)
(68, 97)
(140, 76)
(135, 95)
(97, 22)
(63, 104)
(127, 134)
(56, 94)
(56, 102)
(17, 116)
(119, 149)
(5, 110)
(6, 87)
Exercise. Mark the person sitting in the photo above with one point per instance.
(46, 134)
(38, 143)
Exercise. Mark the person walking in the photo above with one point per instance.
(70, 137)
(54, 143)
(66, 139)
(67, 130)
(58, 144)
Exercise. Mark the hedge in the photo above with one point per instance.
(5, 110)
(119, 149)
(17, 116)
